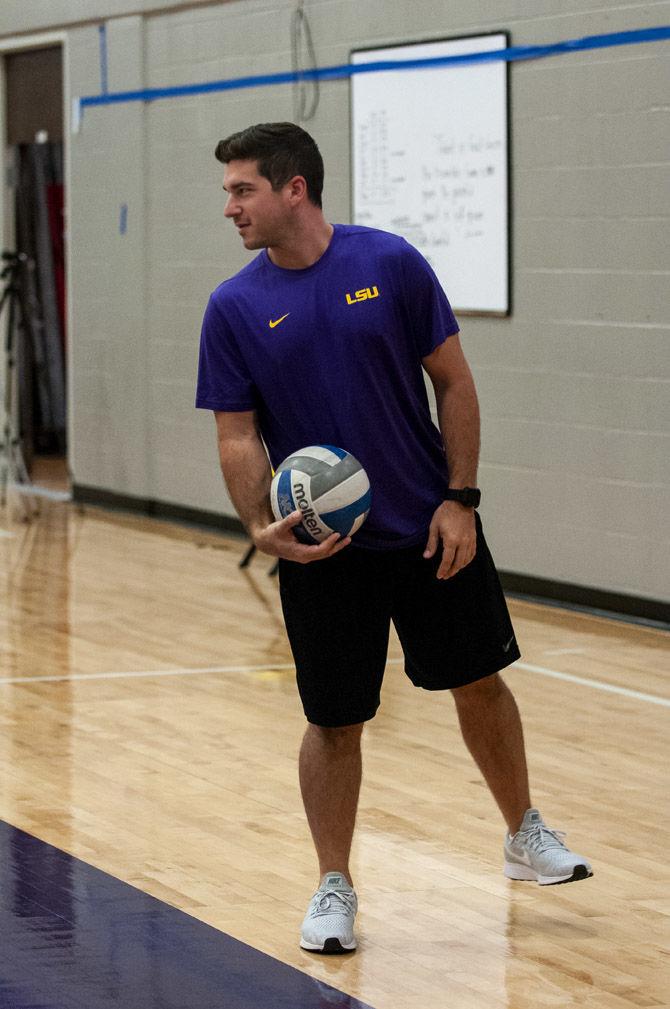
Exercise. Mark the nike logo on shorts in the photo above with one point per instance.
(275, 322)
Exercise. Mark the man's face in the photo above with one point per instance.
(259, 213)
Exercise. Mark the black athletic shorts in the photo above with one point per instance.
(338, 613)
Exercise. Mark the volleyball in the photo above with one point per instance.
(328, 485)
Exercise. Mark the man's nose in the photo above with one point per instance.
(230, 209)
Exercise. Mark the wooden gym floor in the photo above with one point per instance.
(150, 728)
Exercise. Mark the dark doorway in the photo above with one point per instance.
(34, 116)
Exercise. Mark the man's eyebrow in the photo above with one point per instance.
(236, 185)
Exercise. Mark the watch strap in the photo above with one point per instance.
(467, 496)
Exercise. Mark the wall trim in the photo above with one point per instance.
(566, 595)
(101, 13)
(82, 494)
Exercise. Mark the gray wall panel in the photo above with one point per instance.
(573, 386)
(109, 268)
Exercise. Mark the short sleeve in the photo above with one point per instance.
(224, 382)
(430, 314)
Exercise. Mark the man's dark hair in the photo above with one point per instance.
(281, 150)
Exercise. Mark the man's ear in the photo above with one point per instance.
(297, 189)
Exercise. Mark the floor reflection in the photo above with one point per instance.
(539, 969)
(36, 742)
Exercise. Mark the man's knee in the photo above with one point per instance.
(484, 691)
(342, 739)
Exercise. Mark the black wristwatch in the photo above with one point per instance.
(467, 496)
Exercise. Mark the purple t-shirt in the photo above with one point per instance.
(332, 355)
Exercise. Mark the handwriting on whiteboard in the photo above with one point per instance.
(438, 197)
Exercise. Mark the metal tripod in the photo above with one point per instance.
(244, 563)
(13, 470)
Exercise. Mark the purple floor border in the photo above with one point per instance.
(73, 937)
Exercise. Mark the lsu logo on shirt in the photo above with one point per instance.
(363, 295)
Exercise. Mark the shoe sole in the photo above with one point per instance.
(514, 870)
(331, 947)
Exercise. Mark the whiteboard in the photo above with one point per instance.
(430, 163)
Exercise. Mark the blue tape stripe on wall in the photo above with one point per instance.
(509, 55)
(74, 937)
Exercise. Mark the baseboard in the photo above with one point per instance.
(654, 612)
(156, 509)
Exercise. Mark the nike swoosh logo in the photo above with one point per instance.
(507, 647)
(275, 322)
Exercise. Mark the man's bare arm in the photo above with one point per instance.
(246, 468)
(457, 410)
(247, 472)
(458, 416)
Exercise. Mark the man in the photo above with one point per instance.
(291, 356)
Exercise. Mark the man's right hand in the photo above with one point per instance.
(278, 540)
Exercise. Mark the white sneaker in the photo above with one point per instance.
(537, 852)
(329, 923)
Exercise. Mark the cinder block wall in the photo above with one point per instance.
(573, 386)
